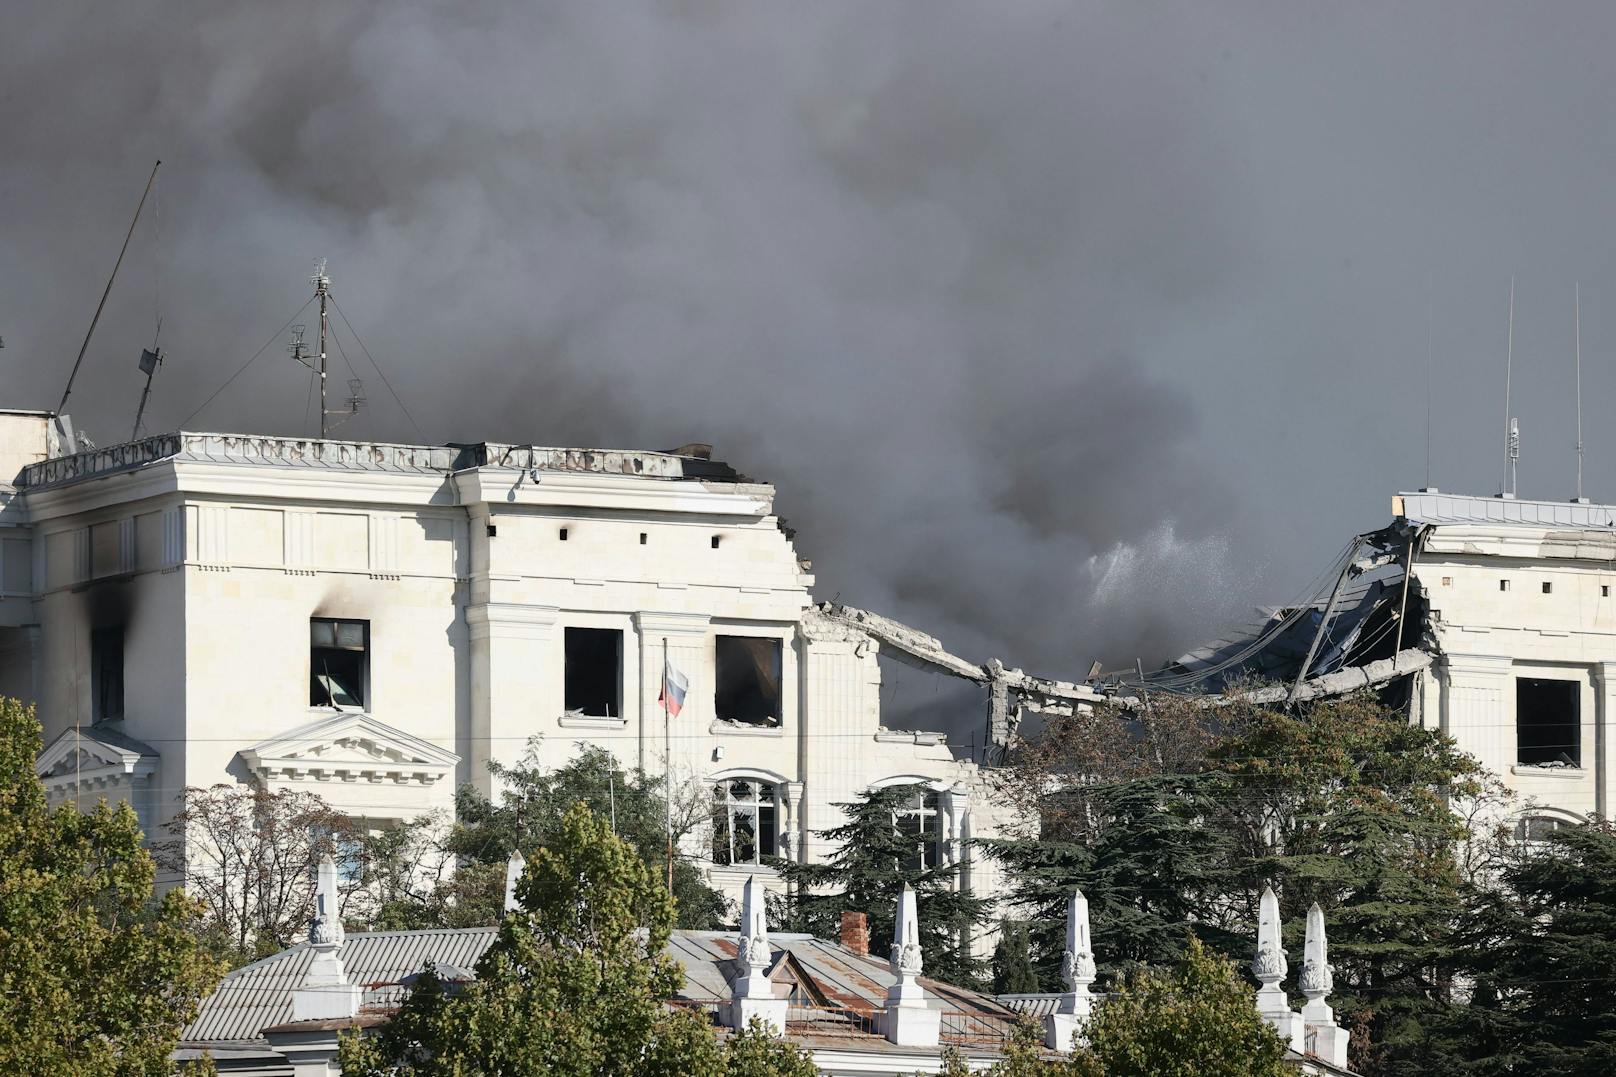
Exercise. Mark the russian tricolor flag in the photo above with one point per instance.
(674, 685)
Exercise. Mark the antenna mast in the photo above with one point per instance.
(1577, 316)
(322, 291)
(108, 290)
(356, 398)
(1512, 436)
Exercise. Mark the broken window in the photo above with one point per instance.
(339, 662)
(594, 672)
(920, 820)
(744, 815)
(1548, 727)
(747, 681)
(106, 674)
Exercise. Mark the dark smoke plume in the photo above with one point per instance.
(1050, 322)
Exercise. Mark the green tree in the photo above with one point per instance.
(530, 810)
(1541, 950)
(577, 983)
(757, 1052)
(1175, 820)
(94, 980)
(1013, 973)
(1348, 805)
(875, 857)
(1194, 1020)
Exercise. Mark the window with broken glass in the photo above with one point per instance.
(1539, 827)
(339, 663)
(921, 820)
(1548, 725)
(746, 682)
(744, 821)
(106, 674)
(594, 672)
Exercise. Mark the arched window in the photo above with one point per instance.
(1539, 827)
(920, 818)
(744, 821)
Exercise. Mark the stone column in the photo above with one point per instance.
(512, 689)
(790, 830)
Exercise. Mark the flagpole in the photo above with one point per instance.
(667, 747)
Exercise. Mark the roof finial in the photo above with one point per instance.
(1269, 967)
(513, 874)
(1329, 1039)
(752, 993)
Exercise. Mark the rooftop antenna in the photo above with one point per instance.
(1577, 320)
(67, 392)
(1430, 350)
(356, 399)
(150, 359)
(1512, 435)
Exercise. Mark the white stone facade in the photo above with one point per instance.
(1521, 616)
(170, 594)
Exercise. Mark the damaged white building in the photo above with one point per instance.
(376, 622)
(1490, 618)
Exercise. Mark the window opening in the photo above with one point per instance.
(594, 672)
(1604, 590)
(715, 542)
(563, 534)
(1539, 827)
(747, 682)
(1503, 585)
(1548, 728)
(1447, 581)
(921, 820)
(1548, 588)
(744, 820)
(339, 662)
(106, 674)
(642, 538)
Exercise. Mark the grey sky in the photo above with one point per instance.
(1066, 330)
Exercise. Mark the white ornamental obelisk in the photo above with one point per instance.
(1062, 1027)
(752, 993)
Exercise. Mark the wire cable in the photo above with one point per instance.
(243, 368)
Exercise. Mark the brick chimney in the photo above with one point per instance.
(856, 933)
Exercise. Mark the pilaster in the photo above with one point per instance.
(1604, 678)
(511, 684)
(686, 651)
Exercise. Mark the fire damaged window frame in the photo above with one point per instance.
(316, 685)
(749, 717)
(107, 653)
(1537, 756)
(760, 799)
(584, 635)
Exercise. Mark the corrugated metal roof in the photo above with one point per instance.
(259, 996)
(1433, 507)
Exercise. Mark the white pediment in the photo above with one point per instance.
(349, 747)
(93, 758)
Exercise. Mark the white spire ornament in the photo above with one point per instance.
(1324, 1037)
(325, 993)
(907, 1020)
(1061, 1028)
(752, 993)
(513, 874)
(1270, 967)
